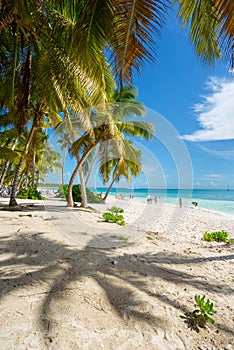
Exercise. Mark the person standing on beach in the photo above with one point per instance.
(155, 200)
(149, 198)
(180, 202)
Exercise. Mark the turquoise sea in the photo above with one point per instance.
(218, 200)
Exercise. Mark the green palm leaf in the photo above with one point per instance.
(134, 23)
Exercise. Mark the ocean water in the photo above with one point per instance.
(218, 200)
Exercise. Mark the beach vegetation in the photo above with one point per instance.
(77, 195)
(217, 236)
(204, 310)
(29, 193)
(149, 238)
(122, 238)
(114, 215)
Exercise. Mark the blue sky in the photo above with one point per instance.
(198, 101)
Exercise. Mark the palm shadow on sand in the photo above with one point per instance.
(55, 268)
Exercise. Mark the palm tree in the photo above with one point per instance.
(63, 147)
(36, 68)
(7, 151)
(58, 47)
(109, 124)
(39, 112)
(121, 165)
(47, 160)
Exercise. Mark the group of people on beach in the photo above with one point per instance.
(119, 196)
(5, 191)
(149, 199)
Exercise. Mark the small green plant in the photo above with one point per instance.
(219, 236)
(116, 210)
(204, 309)
(149, 238)
(114, 214)
(122, 238)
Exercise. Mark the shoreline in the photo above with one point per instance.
(224, 206)
(111, 200)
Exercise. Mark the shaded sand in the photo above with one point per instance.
(71, 281)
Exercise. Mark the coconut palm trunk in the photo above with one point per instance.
(15, 182)
(109, 188)
(33, 170)
(70, 202)
(84, 200)
(92, 165)
(63, 166)
(7, 164)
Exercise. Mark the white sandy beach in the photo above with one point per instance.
(71, 281)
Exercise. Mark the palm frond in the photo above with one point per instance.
(225, 10)
(6, 153)
(202, 20)
(137, 128)
(132, 41)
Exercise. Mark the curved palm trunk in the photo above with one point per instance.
(63, 166)
(70, 202)
(15, 182)
(84, 200)
(37, 178)
(91, 167)
(62, 174)
(7, 164)
(24, 94)
(23, 176)
(33, 170)
(109, 188)
(4, 172)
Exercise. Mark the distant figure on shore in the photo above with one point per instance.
(195, 204)
(180, 202)
(155, 200)
(149, 198)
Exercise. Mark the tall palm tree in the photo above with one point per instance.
(109, 124)
(39, 112)
(37, 66)
(48, 160)
(123, 164)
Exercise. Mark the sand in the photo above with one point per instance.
(71, 281)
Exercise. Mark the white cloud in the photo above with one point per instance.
(225, 154)
(216, 113)
(211, 177)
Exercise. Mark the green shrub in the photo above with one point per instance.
(114, 214)
(204, 309)
(219, 236)
(29, 193)
(76, 194)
